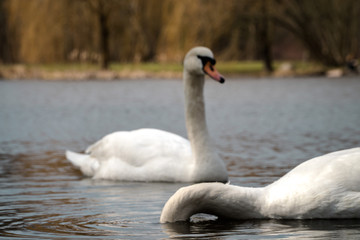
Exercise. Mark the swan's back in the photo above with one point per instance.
(341, 168)
(140, 155)
(318, 188)
(140, 146)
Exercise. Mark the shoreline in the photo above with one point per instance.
(19, 72)
(84, 73)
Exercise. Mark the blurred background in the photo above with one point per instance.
(326, 32)
(261, 126)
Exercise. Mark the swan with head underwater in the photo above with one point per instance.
(325, 187)
(153, 155)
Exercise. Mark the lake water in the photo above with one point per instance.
(261, 127)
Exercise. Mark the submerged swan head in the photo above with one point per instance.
(324, 187)
(200, 61)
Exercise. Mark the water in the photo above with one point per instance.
(262, 128)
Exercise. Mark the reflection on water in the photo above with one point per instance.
(262, 129)
(289, 229)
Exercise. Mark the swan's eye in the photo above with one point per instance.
(204, 60)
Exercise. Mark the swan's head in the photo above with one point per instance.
(200, 61)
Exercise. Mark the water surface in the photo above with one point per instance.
(261, 127)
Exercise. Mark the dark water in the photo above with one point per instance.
(262, 128)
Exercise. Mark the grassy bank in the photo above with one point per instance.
(84, 71)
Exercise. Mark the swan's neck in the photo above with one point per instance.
(201, 145)
(213, 198)
(195, 114)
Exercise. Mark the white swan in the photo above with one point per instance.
(156, 155)
(323, 187)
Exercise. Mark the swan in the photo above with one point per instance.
(324, 187)
(154, 155)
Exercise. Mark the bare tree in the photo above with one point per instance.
(146, 19)
(102, 10)
(5, 45)
(329, 29)
(263, 35)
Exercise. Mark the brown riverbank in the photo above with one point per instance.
(165, 71)
(18, 72)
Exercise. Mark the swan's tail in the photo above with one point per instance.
(86, 163)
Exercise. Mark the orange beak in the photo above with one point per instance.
(210, 70)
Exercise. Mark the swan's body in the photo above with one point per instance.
(156, 155)
(323, 187)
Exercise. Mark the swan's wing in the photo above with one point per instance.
(140, 147)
